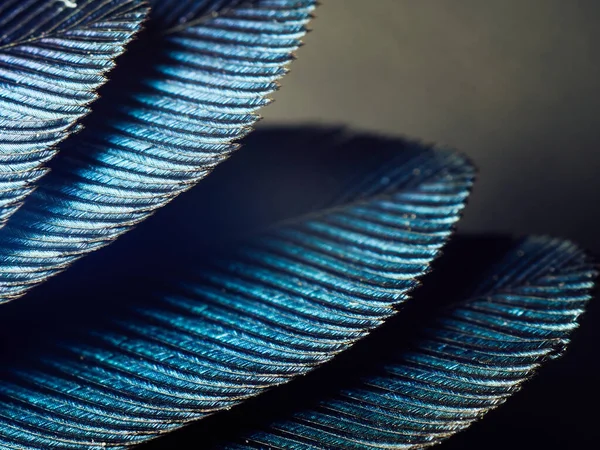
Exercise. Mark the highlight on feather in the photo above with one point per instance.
(68, 3)
(169, 115)
(468, 360)
(274, 308)
(53, 58)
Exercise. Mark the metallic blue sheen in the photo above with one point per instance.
(52, 60)
(467, 361)
(277, 306)
(214, 64)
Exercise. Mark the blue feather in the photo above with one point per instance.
(170, 115)
(467, 361)
(274, 308)
(53, 58)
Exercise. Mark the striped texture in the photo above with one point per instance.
(169, 117)
(279, 305)
(466, 362)
(52, 60)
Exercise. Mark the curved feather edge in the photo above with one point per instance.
(469, 360)
(169, 115)
(279, 305)
(52, 61)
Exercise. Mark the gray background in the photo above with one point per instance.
(515, 84)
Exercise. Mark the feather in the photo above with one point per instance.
(463, 363)
(169, 115)
(273, 308)
(53, 58)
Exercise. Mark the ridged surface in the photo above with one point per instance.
(52, 60)
(280, 304)
(165, 121)
(466, 362)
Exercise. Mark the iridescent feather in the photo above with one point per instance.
(170, 115)
(470, 359)
(53, 58)
(273, 308)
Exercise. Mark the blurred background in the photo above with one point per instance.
(514, 84)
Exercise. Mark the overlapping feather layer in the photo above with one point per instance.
(276, 307)
(470, 359)
(53, 58)
(170, 115)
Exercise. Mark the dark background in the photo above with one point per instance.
(514, 84)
